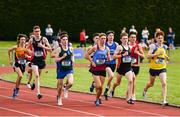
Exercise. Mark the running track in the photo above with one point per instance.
(78, 104)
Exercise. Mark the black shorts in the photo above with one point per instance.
(154, 72)
(123, 69)
(98, 73)
(112, 66)
(21, 66)
(136, 70)
(40, 64)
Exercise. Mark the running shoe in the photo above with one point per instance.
(33, 86)
(28, 85)
(144, 94)
(165, 103)
(65, 93)
(111, 94)
(97, 102)
(39, 96)
(59, 101)
(106, 93)
(15, 92)
(91, 89)
(130, 101)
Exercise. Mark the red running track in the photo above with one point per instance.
(78, 104)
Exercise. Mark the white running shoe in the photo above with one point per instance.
(133, 98)
(65, 93)
(144, 94)
(29, 85)
(59, 101)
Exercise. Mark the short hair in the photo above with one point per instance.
(109, 31)
(102, 34)
(132, 33)
(36, 27)
(19, 36)
(95, 34)
(64, 35)
(123, 34)
(158, 33)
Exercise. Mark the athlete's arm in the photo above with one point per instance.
(117, 51)
(10, 50)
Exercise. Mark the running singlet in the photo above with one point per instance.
(125, 59)
(158, 62)
(39, 53)
(20, 55)
(112, 48)
(66, 63)
(135, 57)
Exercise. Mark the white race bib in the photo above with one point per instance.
(133, 60)
(126, 59)
(38, 53)
(66, 63)
(160, 61)
(100, 62)
(21, 61)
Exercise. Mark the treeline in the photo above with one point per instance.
(19, 16)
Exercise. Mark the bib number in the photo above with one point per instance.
(100, 62)
(66, 63)
(126, 59)
(22, 61)
(38, 53)
(133, 60)
(160, 61)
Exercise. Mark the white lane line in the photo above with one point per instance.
(133, 110)
(8, 109)
(48, 105)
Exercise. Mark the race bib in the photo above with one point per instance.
(22, 61)
(66, 63)
(126, 59)
(133, 60)
(160, 61)
(38, 53)
(100, 62)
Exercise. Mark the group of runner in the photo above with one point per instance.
(31, 54)
(103, 54)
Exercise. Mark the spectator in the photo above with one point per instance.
(170, 38)
(145, 34)
(83, 38)
(49, 34)
(132, 29)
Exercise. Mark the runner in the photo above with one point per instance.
(110, 65)
(158, 58)
(64, 58)
(98, 65)
(40, 46)
(125, 68)
(21, 52)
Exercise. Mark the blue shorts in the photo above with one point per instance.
(62, 74)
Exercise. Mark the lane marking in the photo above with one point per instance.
(133, 110)
(8, 109)
(48, 105)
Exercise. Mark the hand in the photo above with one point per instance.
(64, 55)
(125, 54)
(40, 45)
(93, 64)
(136, 51)
(10, 62)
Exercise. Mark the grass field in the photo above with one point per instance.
(83, 79)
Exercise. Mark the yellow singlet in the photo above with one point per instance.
(158, 62)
